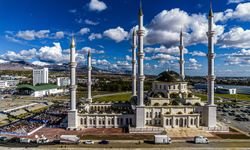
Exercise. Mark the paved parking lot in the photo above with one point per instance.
(230, 113)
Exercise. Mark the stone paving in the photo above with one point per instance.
(187, 132)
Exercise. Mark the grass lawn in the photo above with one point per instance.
(203, 96)
(233, 96)
(124, 97)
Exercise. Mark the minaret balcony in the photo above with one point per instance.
(211, 55)
(211, 77)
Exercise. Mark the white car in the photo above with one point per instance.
(89, 142)
(200, 140)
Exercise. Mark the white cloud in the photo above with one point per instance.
(85, 50)
(165, 27)
(193, 64)
(236, 1)
(3, 61)
(237, 37)
(165, 57)
(97, 5)
(117, 34)
(73, 11)
(51, 54)
(32, 34)
(23, 55)
(39, 63)
(198, 53)
(162, 49)
(241, 12)
(59, 35)
(102, 62)
(94, 36)
(90, 22)
(128, 58)
(84, 31)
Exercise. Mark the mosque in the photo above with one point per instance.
(169, 103)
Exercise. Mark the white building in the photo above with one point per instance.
(226, 91)
(169, 104)
(63, 81)
(40, 76)
(3, 84)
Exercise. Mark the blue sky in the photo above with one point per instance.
(40, 31)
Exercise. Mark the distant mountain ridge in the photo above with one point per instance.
(23, 65)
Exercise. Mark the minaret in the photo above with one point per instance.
(141, 76)
(89, 77)
(211, 108)
(72, 113)
(181, 47)
(140, 109)
(134, 63)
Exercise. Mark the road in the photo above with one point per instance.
(241, 144)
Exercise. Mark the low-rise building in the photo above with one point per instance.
(62, 81)
(39, 90)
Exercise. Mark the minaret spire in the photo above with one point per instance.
(141, 76)
(89, 77)
(181, 47)
(72, 113)
(211, 107)
(134, 63)
(140, 10)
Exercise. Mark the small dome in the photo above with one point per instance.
(169, 76)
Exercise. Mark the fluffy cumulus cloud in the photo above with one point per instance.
(51, 54)
(241, 12)
(3, 61)
(117, 34)
(97, 5)
(100, 62)
(32, 34)
(237, 37)
(85, 50)
(23, 55)
(94, 36)
(123, 65)
(165, 27)
(163, 49)
(84, 31)
(236, 1)
(193, 64)
(59, 35)
(165, 57)
(90, 22)
(241, 57)
(198, 53)
(39, 63)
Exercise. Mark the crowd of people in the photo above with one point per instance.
(22, 126)
(57, 110)
(48, 118)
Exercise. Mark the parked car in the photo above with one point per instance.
(88, 142)
(200, 140)
(104, 142)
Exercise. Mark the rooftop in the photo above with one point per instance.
(37, 87)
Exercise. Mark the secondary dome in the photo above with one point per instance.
(169, 76)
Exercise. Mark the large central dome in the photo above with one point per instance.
(169, 76)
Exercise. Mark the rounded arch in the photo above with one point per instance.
(156, 104)
(165, 104)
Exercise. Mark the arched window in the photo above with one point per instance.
(90, 121)
(191, 121)
(176, 122)
(167, 122)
